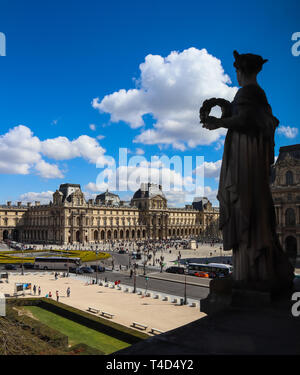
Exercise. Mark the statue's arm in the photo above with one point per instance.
(239, 122)
(244, 114)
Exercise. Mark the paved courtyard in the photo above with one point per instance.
(127, 307)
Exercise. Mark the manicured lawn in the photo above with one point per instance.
(77, 333)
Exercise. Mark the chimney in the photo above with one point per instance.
(8, 203)
(28, 204)
(37, 203)
(91, 201)
(19, 204)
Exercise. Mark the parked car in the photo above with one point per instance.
(97, 268)
(10, 267)
(203, 274)
(28, 265)
(76, 270)
(175, 269)
(87, 269)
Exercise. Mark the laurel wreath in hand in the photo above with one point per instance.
(209, 104)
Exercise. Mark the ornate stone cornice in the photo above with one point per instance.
(288, 161)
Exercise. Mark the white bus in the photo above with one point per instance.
(210, 270)
(56, 263)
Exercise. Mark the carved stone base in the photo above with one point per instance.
(227, 294)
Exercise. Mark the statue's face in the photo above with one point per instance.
(244, 79)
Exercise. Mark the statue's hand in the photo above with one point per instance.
(212, 123)
(210, 103)
(205, 109)
(225, 108)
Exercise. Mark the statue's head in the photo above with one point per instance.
(247, 66)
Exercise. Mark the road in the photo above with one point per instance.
(175, 287)
(163, 286)
(159, 285)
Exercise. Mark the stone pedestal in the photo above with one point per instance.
(226, 294)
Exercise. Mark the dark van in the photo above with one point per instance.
(175, 269)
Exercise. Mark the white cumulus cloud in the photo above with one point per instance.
(19, 150)
(211, 169)
(22, 153)
(47, 170)
(171, 89)
(61, 148)
(287, 131)
(44, 197)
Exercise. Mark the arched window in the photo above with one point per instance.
(289, 178)
(290, 217)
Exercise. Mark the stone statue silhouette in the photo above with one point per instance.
(247, 214)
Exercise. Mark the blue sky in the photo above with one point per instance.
(66, 63)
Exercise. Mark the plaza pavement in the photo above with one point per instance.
(127, 307)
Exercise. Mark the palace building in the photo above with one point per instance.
(69, 218)
(285, 187)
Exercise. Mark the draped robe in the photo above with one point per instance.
(247, 214)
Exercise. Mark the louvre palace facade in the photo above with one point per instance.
(69, 218)
(285, 188)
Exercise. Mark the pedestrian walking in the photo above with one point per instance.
(39, 290)
(50, 294)
(57, 296)
(68, 292)
(34, 289)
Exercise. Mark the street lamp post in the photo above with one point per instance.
(22, 260)
(146, 280)
(145, 261)
(96, 267)
(134, 278)
(68, 264)
(185, 300)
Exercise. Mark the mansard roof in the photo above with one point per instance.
(149, 190)
(292, 151)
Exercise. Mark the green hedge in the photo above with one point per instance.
(42, 331)
(110, 328)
